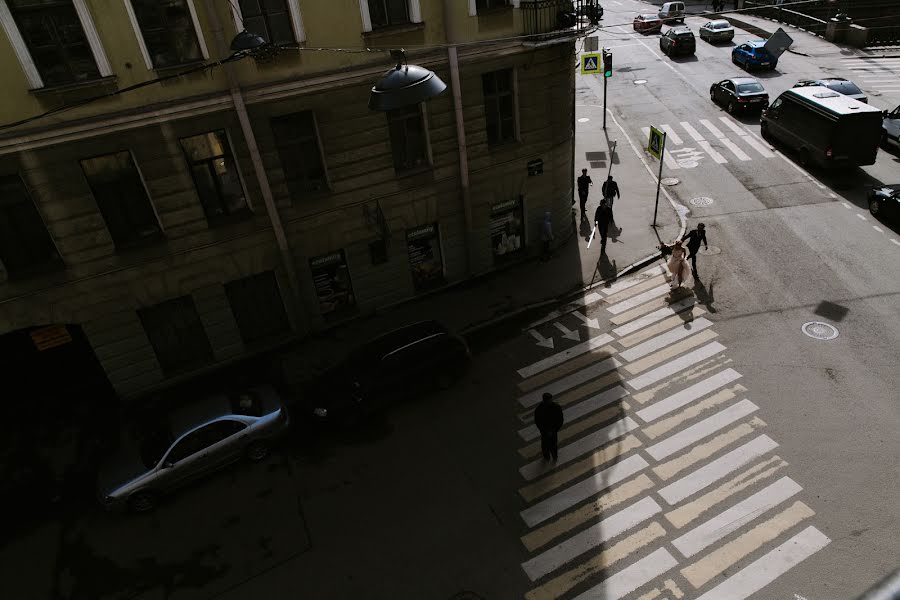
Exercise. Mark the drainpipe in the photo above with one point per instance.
(465, 193)
(299, 315)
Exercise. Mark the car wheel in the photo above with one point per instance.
(734, 59)
(874, 207)
(142, 502)
(884, 140)
(257, 450)
(712, 96)
(731, 108)
(764, 130)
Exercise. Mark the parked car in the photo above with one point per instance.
(884, 202)
(719, 30)
(672, 11)
(753, 55)
(197, 438)
(890, 128)
(838, 84)
(402, 363)
(647, 23)
(678, 40)
(739, 94)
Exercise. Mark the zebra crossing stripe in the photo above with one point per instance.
(566, 383)
(595, 535)
(632, 577)
(671, 351)
(734, 149)
(572, 414)
(702, 369)
(691, 131)
(712, 128)
(567, 367)
(680, 363)
(656, 292)
(661, 327)
(671, 163)
(583, 490)
(687, 395)
(666, 339)
(702, 429)
(746, 138)
(707, 147)
(717, 469)
(634, 290)
(662, 427)
(578, 393)
(578, 427)
(630, 315)
(703, 451)
(561, 357)
(672, 134)
(730, 520)
(657, 315)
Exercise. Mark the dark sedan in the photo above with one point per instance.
(739, 94)
(647, 23)
(884, 202)
(678, 40)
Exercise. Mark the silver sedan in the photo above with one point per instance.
(719, 30)
(198, 439)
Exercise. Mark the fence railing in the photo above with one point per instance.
(543, 19)
(883, 36)
(790, 17)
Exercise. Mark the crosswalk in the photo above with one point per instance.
(666, 485)
(876, 74)
(721, 140)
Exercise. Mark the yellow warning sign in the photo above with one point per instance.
(657, 142)
(50, 337)
(591, 63)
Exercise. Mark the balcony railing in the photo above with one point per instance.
(549, 19)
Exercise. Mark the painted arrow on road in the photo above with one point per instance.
(568, 333)
(587, 322)
(541, 340)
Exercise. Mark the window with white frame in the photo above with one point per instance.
(269, 19)
(216, 176)
(499, 106)
(55, 41)
(378, 14)
(168, 31)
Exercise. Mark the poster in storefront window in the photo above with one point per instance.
(507, 228)
(424, 246)
(331, 279)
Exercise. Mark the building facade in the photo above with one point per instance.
(195, 220)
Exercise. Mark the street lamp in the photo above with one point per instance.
(404, 85)
(247, 41)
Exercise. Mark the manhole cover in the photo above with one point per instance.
(583, 120)
(819, 330)
(710, 250)
(670, 181)
(640, 81)
(701, 201)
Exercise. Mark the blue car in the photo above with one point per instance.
(753, 55)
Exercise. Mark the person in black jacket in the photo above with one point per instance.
(610, 190)
(694, 239)
(603, 216)
(548, 417)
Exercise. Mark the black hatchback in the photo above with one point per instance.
(403, 363)
(739, 94)
(678, 40)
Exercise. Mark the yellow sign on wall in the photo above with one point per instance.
(50, 337)
(591, 63)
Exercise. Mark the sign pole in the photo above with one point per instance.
(605, 82)
(659, 177)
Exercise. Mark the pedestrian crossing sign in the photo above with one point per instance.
(655, 145)
(590, 63)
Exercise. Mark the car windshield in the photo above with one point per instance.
(720, 25)
(749, 88)
(847, 88)
(650, 17)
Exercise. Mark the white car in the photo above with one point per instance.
(890, 133)
(719, 30)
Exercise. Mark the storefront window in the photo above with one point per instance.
(331, 278)
(424, 246)
(506, 228)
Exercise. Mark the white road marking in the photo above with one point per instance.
(657, 315)
(691, 131)
(734, 148)
(624, 284)
(847, 206)
(832, 195)
(682, 362)
(688, 395)
(546, 342)
(671, 163)
(733, 126)
(583, 490)
(671, 134)
(769, 567)
(749, 139)
(567, 333)
(712, 128)
(580, 446)
(579, 410)
(893, 241)
(877, 228)
(728, 521)
(701, 429)
(624, 305)
(717, 469)
(576, 378)
(861, 217)
(561, 357)
(666, 339)
(610, 527)
(712, 153)
(632, 577)
(570, 307)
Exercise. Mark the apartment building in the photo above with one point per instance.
(219, 209)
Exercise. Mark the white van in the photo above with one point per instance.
(672, 11)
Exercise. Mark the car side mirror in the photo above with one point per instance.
(885, 114)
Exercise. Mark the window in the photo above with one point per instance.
(388, 12)
(301, 155)
(176, 334)
(482, 5)
(189, 445)
(408, 142)
(499, 106)
(122, 198)
(55, 39)
(257, 307)
(215, 175)
(218, 431)
(167, 27)
(25, 245)
(269, 19)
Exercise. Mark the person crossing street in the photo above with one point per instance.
(548, 417)
(694, 239)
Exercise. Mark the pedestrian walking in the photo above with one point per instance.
(548, 417)
(678, 266)
(546, 235)
(603, 216)
(584, 184)
(694, 238)
(610, 190)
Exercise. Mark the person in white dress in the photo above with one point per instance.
(678, 266)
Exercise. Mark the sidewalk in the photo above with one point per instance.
(473, 305)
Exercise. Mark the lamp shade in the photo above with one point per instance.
(246, 41)
(405, 85)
